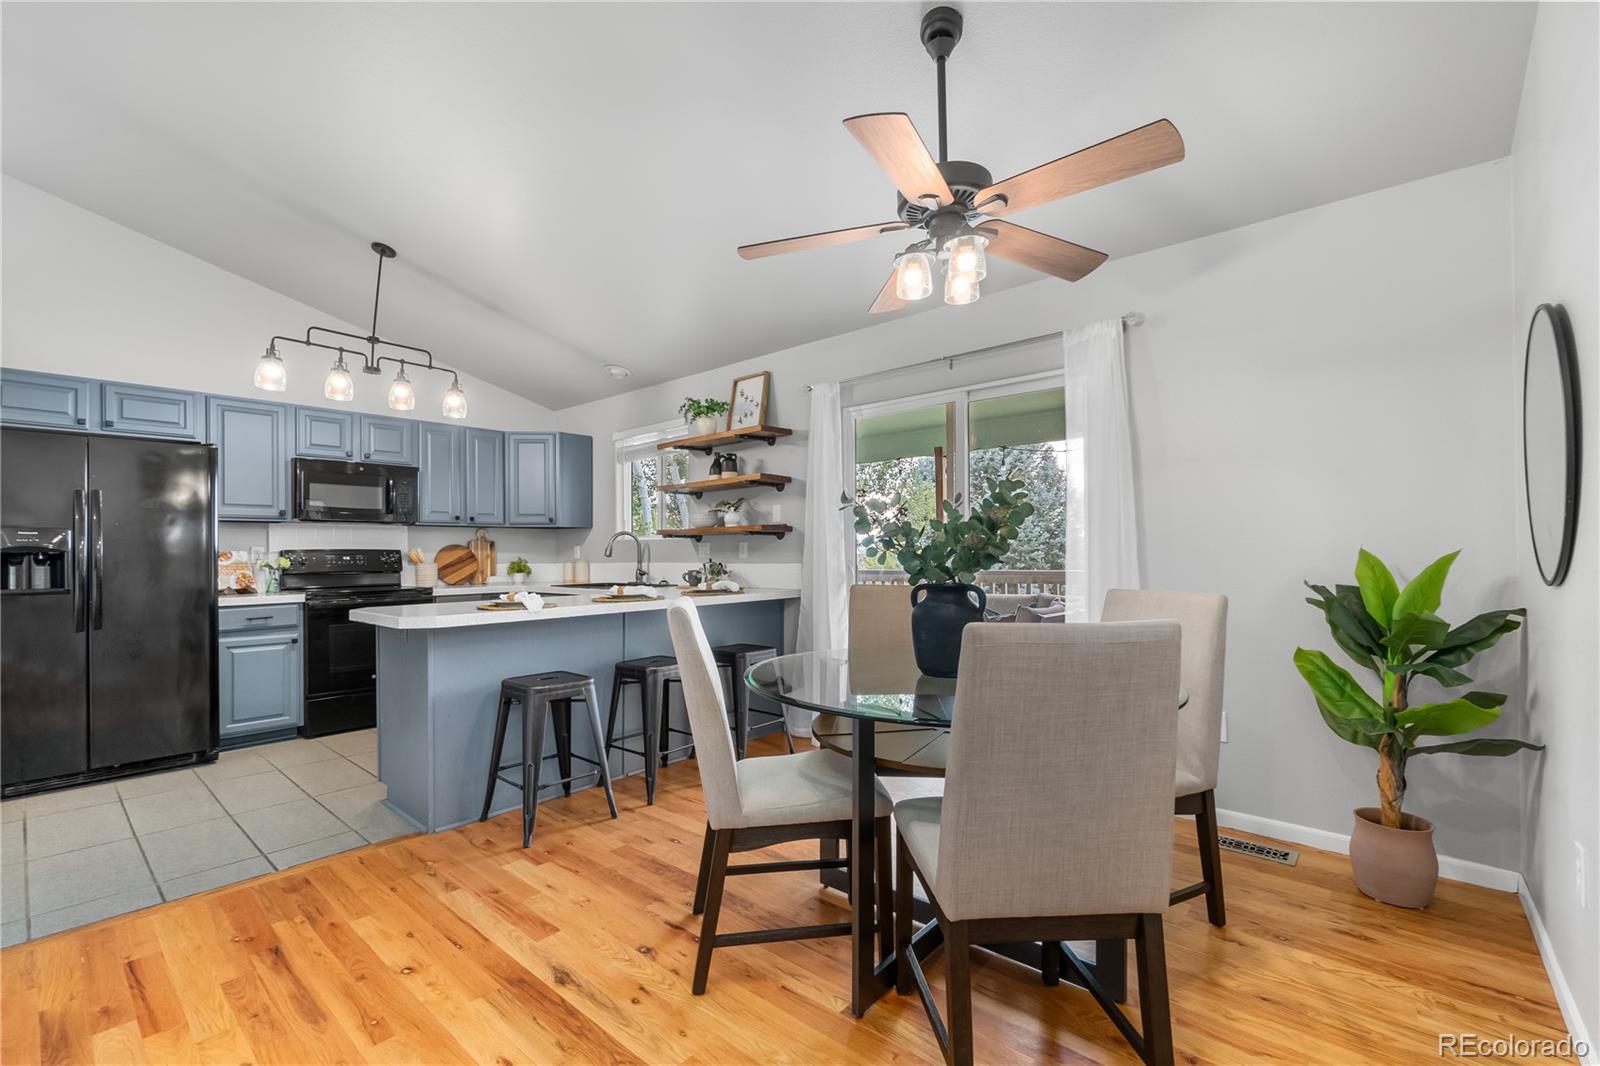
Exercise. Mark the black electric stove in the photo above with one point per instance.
(341, 655)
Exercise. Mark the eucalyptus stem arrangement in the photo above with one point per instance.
(947, 550)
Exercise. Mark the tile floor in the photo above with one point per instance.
(77, 856)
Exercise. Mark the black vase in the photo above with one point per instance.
(938, 615)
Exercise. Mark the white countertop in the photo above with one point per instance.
(579, 603)
(259, 599)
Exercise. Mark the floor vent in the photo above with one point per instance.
(1260, 851)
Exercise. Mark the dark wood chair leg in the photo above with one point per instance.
(1156, 1013)
(664, 734)
(1205, 827)
(1050, 962)
(883, 841)
(650, 711)
(592, 704)
(496, 753)
(700, 883)
(741, 719)
(561, 711)
(721, 844)
(904, 984)
(958, 993)
(534, 713)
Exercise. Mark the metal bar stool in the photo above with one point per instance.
(737, 659)
(652, 673)
(539, 694)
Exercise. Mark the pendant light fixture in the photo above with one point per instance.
(273, 376)
(966, 255)
(960, 288)
(913, 274)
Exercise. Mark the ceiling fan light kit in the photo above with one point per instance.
(955, 202)
(272, 376)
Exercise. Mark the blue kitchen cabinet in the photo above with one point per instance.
(323, 434)
(388, 440)
(441, 475)
(549, 479)
(143, 411)
(485, 475)
(260, 670)
(52, 401)
(252, 439)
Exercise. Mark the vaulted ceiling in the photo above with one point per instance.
(566, 183)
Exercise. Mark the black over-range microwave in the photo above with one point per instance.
(326, 490)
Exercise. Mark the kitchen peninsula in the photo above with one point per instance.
(440, 667)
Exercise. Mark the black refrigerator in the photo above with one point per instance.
(108, 607)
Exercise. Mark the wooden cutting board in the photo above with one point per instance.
(623, 599)
(457, 565)
(711, 592)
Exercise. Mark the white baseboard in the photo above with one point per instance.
(1558, 980)
(1453, 869)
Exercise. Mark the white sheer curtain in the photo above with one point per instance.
(1102, 530)
(829, 556)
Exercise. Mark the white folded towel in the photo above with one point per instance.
(635, 590)
(531, 600)
(727, 585)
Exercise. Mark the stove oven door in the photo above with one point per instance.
(342, 663)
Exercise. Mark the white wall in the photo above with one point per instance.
(1301, 387)
(1556, 238)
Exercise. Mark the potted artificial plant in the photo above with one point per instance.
(1395, 633)
(518, 570)
(730, 511)
(703, 413)
(941, 559)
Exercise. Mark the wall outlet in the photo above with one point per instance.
(744, 548)
(1583, 879)
(1224, 727)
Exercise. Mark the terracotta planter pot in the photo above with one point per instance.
(1394, 866)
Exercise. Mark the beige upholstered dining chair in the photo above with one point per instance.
(1204, 618)
(755, 803)
(1050, 722)
(880, 622)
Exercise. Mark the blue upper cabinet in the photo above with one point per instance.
(323, 434)
(142, 411)
(28, 398)
(252, 439)
(549, 479)
(486, 477)
(388, 440)
(441, 475)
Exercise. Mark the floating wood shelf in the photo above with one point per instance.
(710, 442)
(725, 531)
(722, 484)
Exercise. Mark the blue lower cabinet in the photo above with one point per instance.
(388, 440)
(322, 434)
(49, 401)
(550, 480)
(142, 411)
(252, 439)
(441, 475)
(260, 671)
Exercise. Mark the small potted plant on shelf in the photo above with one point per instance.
(941, 558)
(731, 511)
(1395, 633)
(518, 570)
(703, 413)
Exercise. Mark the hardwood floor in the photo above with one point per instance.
(462, 947)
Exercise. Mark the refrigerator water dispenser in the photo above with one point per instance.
(33, 559)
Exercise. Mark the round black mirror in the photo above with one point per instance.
(1550, 440)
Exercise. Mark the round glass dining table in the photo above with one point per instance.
(887, 717)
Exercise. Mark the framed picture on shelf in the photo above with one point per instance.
(748, 407)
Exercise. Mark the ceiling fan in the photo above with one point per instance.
(957, 203)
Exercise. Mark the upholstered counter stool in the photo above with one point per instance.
(736, 659)
(543, 696)
(654, 674)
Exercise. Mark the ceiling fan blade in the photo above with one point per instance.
(893, 141)
(1042, 252)
(886, 300)
(818, 240)
(1134, 152)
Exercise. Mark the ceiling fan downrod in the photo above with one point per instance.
(941, 31)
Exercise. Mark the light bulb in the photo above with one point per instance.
(960, 288)
(455, 401)
(271, 374)
(913, 275)
(402, 397)
(338, 385)
(967, 257)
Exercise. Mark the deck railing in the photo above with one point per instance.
(1012, 582)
